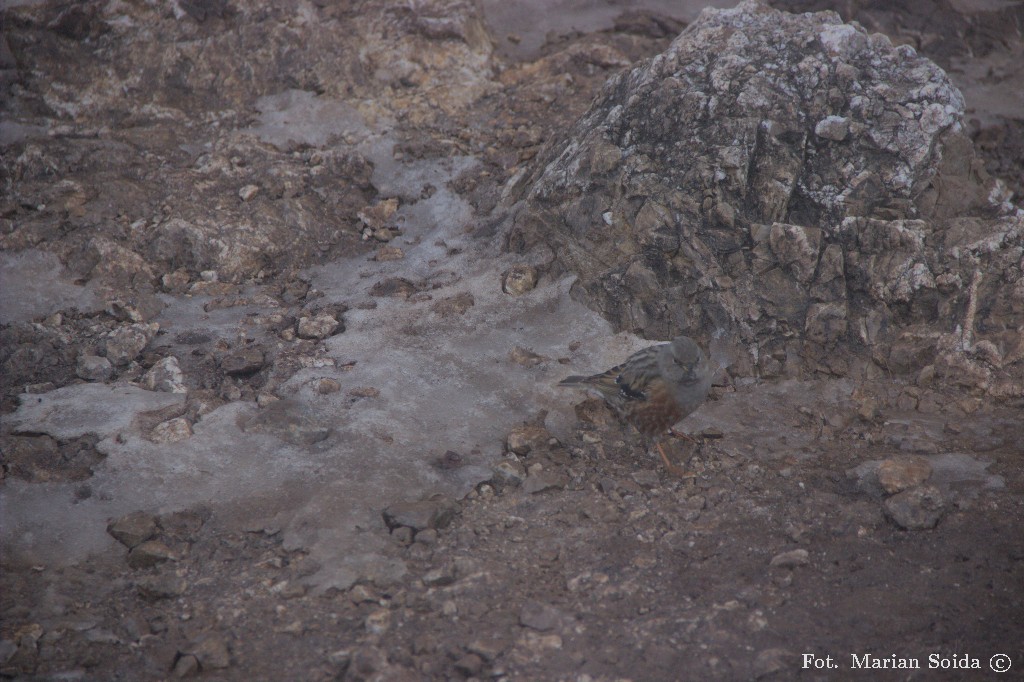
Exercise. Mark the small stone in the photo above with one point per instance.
(899, 473)
(519, 279)
(379, 215)
(171, 431)
(525, 357)
(790, 559)
(834, 128)
(149, 554)
(389, 253)
(427, 536)
(771, 661)
(439, 577)
(212, 652)
(175, 281)
(317, 327)
(243, 362)
(93, 368)
(469, 665)
(544, 481)
(187, 665)
(918, 508)
(165, 376)
(403, 535)
(454, 305)
(364, 392)
(325, 386)
(125, 343)
(133, 529)
(523, 439)
(539, 616)
(156, 587)
(378, 622)
(265, 399)
(508, 474)
(487, 648)
(395, 287)
(248, 192)
(435, 512)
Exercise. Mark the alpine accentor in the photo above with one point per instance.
(655, 387)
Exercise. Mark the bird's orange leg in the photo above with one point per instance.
(672, 468)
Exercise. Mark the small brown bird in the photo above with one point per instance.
(655, 387)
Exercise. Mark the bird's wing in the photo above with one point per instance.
(635, 374)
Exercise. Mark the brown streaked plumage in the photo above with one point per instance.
(655, 387)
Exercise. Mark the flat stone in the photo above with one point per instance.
(171, 431)
(93, 368)
(539, 616)
(149, 554)
(543, 481)
(790, 559)
(212, 652)
(157, 587)
(918, 508)
(165, 376)
(243, 361)
(508, 474)
(519, 279)
(133, 529)
(436, 512)
(317, 327)
(899, 473)
(524, 439)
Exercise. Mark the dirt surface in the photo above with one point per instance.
(827, 518)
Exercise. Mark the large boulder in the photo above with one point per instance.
(790, 180)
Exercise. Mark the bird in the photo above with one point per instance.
(655, 387)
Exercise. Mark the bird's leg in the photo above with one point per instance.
(682, 436)
(672, 468)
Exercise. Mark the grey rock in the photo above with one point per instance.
(684, 162)
(899, 473)
(519, 279)
(93, 368)
(524, 439)
(439, 577)
(918, 508)
(149, 553)
(539, 616)
(317, 327)
(469, 665)
(543, 481)
(165, 376)
(186, 665)
(243, 362)
(125, 343)
(790, 559)
(212, 653)
(434, 512)
(133, 529)
(508, 474)
(157, 587)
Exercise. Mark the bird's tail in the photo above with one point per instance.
(574, 380)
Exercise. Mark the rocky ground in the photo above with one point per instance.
(276, 406)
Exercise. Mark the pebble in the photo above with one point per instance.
(212, 652)
(539, 616)
(439, 577)
(543, 481)
(918, 508)
(525, 357)
(248, 192)
(149, 554)
(165, 376)
(326, 386)
(186, 665)
(454, 305)
(171, 431)
(790, 559)
(524, 439)
(389, 253)
(427, 536)
(519, 279)
(156, 587)
(508, 474)
(133, 529)
(125, 343)
(243, 362)
(469, 665)
(317, 327)
(902, 472)
(93, 368)
(434, 512)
